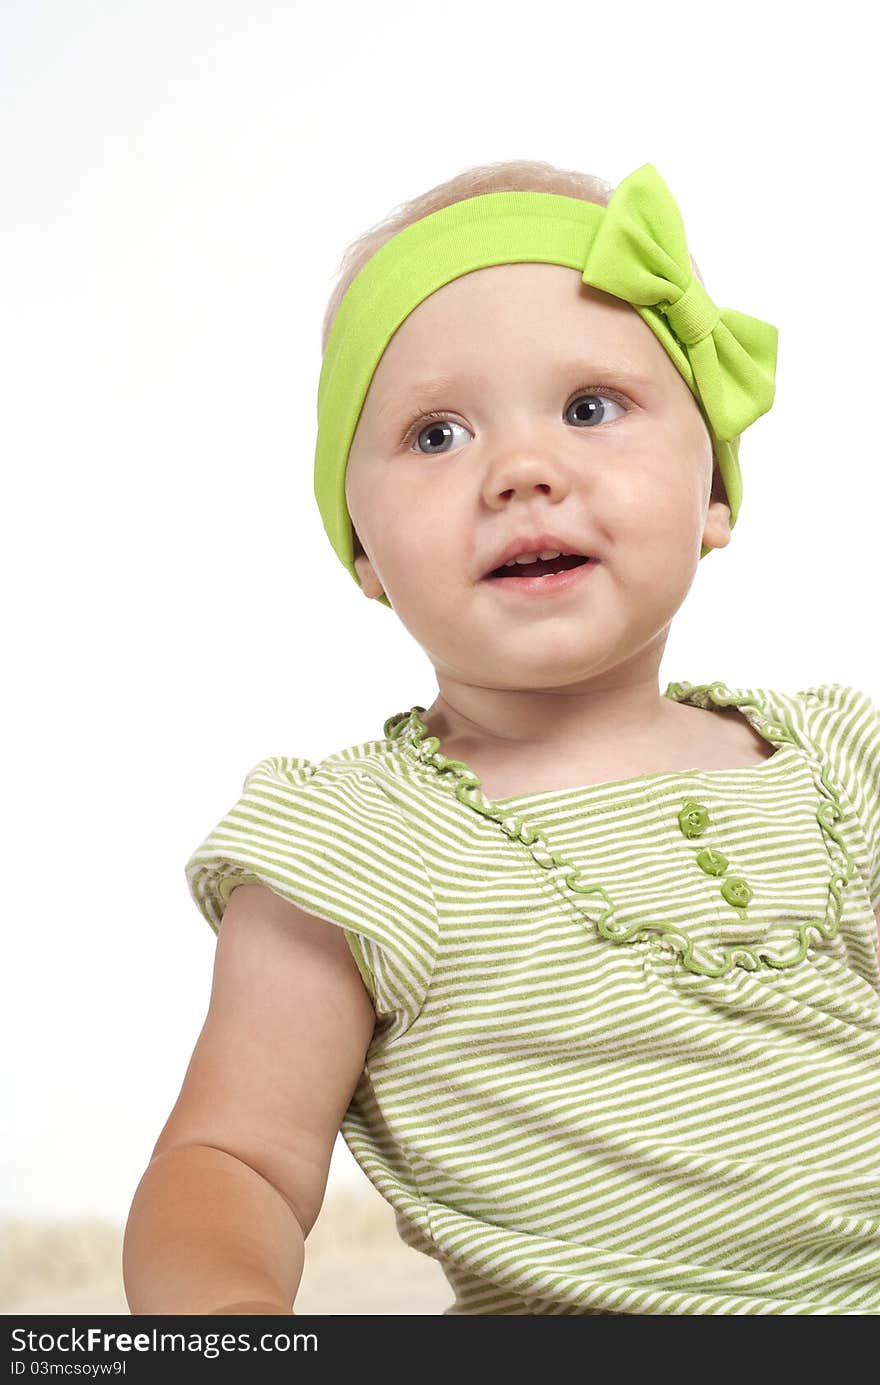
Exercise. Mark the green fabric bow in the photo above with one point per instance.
(640, 254)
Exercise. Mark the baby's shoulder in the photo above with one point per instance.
(827, 709)
(829, 721)
(353, 774)
(838, 726)
(836, 714)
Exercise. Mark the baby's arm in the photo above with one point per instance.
(237, 1176)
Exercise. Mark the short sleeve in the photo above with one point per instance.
(329, 838)
(845, 727)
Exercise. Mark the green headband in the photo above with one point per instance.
(634, 248)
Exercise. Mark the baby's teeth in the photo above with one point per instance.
(533, 557)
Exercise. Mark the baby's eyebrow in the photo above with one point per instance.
(425, 390)
(438, 387)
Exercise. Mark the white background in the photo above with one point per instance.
(178, 183)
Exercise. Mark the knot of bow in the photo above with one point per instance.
(640, 254)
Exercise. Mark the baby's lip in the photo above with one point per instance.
(526, 543)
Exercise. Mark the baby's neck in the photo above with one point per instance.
(691, 738)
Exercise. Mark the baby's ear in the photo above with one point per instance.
(370, 584)
(716, 533)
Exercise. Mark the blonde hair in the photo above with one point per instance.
(513, 175)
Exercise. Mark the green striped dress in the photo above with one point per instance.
(628, 1063)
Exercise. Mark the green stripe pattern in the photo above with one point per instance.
(560, 1110)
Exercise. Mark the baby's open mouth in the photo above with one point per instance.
(541, 567)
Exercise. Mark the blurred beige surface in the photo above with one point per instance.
(355, 1264)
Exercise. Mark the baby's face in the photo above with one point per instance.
(558, 411)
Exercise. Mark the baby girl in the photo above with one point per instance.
(585, 972)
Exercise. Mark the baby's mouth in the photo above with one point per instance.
(541, 567)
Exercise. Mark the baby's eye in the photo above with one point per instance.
(586, 410)
(436, 433)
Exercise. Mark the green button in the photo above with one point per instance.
(693, 818)
(712, 862)
(736, 891)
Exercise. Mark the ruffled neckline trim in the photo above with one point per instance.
(704, 960)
